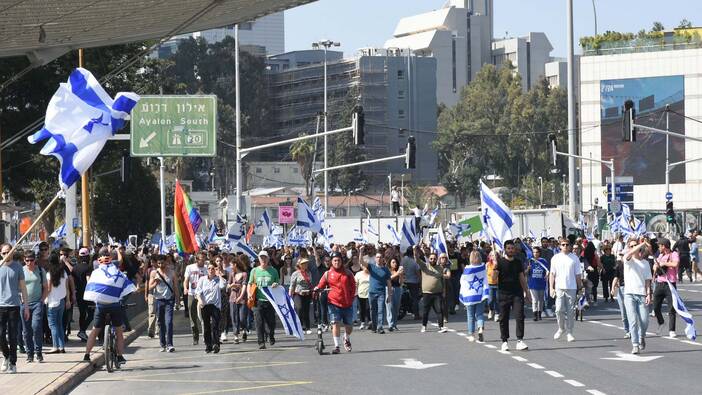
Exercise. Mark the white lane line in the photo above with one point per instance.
(553, 373)
(596, 392)
(520, 359)
(536, 366)
(461, 334)
(594, 321)
(504, 352)
(691, 342)
(451, 330)
(490, 346)
(574, 383)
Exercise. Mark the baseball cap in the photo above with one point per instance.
(335, 254)
(664, 242)
(263, 253)
(83, 252)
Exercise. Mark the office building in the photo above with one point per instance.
(528, 55)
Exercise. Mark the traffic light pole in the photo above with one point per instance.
(608, 163)
(366, 162)
(245, 151)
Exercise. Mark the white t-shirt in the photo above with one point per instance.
(618, 249)
(636, 272)
(394, 196)
(565, 267)
(57, 294)
(193, 274)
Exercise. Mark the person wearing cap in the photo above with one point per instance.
(81, 274)
(263, 275)
(380, 291)
(37, 290)
(342, 291)
(637, 293)
(301, 292)
(433, 276)
(666, 273)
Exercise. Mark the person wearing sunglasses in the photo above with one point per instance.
(12, 292)
(637, 293)
(565, 281)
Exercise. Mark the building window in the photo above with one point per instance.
(276, 170)
(204, 209)
(400, 74)
(400, 94)
(401, 114)
(259, 170)
(295, 170)
(246, 26)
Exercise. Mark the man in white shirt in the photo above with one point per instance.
(565, 280)
(193, 272)
(637, 292)
(209, 295)
(395, 199)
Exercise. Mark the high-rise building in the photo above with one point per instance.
(386, 83)
(458, 36)
(528, 55)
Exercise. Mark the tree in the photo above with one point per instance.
(344, 149)
(685, 24)
(303, 153)
(657, 27)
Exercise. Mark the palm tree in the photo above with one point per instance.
(303, 153)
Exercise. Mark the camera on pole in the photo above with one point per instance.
(358, 121)
(628, 118)
(411, 153)
(552, 141)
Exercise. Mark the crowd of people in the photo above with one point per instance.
(368, 287)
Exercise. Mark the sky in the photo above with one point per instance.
(361, 23)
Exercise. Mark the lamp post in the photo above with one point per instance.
(541, 191)
(325, 44)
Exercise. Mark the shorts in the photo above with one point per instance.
(336, 314)
(115, 312)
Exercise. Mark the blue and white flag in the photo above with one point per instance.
(682, 311)
(434, 214)
(110, 240)
(408, 234)
(284, 307)
(162, 248)
(80, 118)
(264, 226)
(582, 302)
(527, 250)
(532, 235)
(496, 216)
(439, 244)
(395, 237)
(474, 287)
(241, 246)
(358, 236)
(107, 285)
(236, 230)
(299, 237)
(212, 234)
(59, 233)
(306, 218)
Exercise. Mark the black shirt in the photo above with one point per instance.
(81, 272)
(508, 277)
(619, 273)
(682, 246)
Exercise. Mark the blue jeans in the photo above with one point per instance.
(622, 308)
(637, 312)
(377, 305)
(492, 300)
(164, 312)
(55, 317)
(475, 313)
(33, 329)
(394, 306)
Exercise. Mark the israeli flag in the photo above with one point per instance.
(395, 237)
(497, 217)
(236, 231)
(264, 226)
(283, 305)
(527, 250)
(80, 118)
(682, 311)
(107, 285)
(408, 234)
(162, 248)
(439, 244)
(318, 209)
(434, 214)
(532, 235)
(212, 234)
(474, 288)
(59, 233)
(582, 302)
(241, 246)
(306, 218)
(358, 236)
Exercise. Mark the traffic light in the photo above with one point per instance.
(628, 118)
(359, 123)
(124, 169)
(411, 153)
(669, 213)
(552, 142)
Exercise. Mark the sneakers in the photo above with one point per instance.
(236, 339)
(5, 365)
(347, 344)
(271, 340)
(12, 369)
(643, 343)
(380, 331)
(480, 337)
(40, 358)
(635, 350)
(30, 358)
(471, 338)
(549, 313)
(223, 337)
(672, 334)
(307, 332)
(262, 346)
(170, 349)
(521, 346)
(121, 360)
(363, 326)
(443, 329)
(570, 338)
(163, 349)
(505, 346)
(661, 329)
(243, 336)
(424, 329)
(195, 342)
(391, 329)
(336, 350)
(627, 335)
(490, 315)
(557, 335)
(82, 336)
(497, 317)
(86, 358)
(216, 349)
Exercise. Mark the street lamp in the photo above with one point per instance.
(325, 45)
(541, 192)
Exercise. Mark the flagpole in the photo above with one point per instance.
(84, 195)
(36, 221)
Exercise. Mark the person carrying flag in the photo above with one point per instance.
(106, 287)
(342, 291)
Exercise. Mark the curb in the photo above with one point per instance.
(81, 371)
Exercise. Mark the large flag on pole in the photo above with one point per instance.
(306, 217)
(187, 221)
(682, 311)
(264, 226)
(283, 306)
(80, 118)
(497, 217)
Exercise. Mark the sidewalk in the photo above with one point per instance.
(59, 373)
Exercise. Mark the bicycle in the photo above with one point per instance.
(109, 344)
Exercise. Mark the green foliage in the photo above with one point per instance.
(303, 153)
(342, 148)
(498, 129)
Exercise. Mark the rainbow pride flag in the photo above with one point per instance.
(186, 221)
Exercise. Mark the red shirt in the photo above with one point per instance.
(342, 286)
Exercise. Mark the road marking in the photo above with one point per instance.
(252, 388)
(504, 352)
(632, 357)
(574, 383)
(691, 342)
(535, 365)
(411, 363)
(553, 374)
(461, 334)
(451, 330)
(520, 359)
(490, 346)
(131, 362)
(261, 365)
(596, 392)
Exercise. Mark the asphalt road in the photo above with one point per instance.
(598, 362)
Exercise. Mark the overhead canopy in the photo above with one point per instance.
(43, 30)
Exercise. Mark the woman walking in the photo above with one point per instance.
(473, 295)
(163, 282)
(397, 278)
(56, 302)
(237, 298)
(362, 288)
(301, 292)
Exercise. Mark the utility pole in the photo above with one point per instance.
(238, 121)
(572, 209)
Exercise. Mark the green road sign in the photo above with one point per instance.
(170, 125)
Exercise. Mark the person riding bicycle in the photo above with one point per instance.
(106, 287)
(342, 290)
